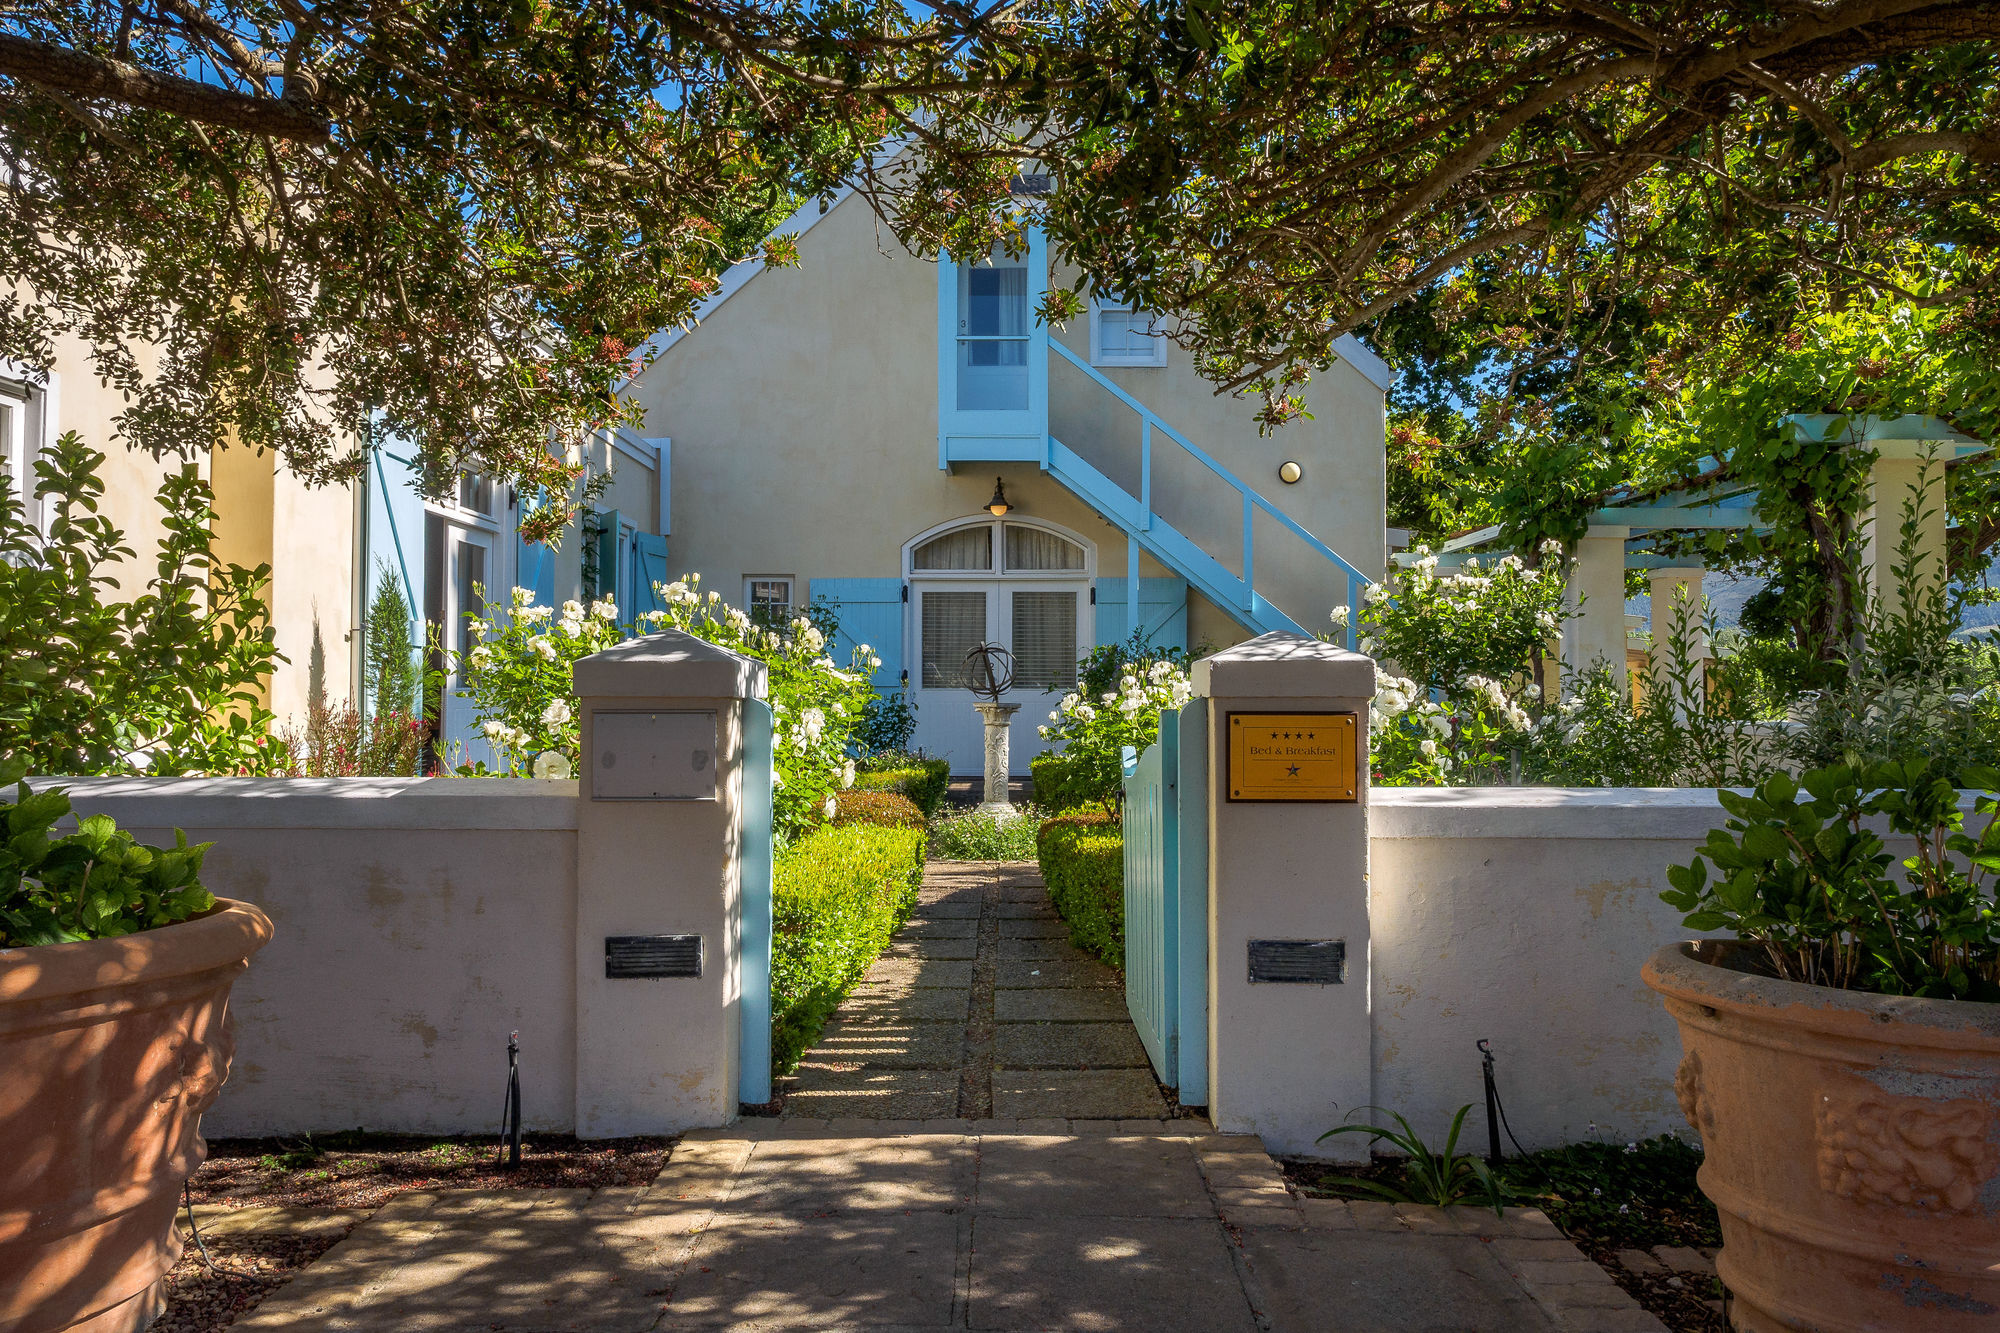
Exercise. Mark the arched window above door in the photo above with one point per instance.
(998, 547)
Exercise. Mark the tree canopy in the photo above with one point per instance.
(464, 217)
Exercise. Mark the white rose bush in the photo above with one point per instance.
(1465, 647)
(519, 679)
(1094, 732)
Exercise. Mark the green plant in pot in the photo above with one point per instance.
(1842, 1052)
(115, 970)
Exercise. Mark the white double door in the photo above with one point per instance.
(1045, 624)
(472, 565)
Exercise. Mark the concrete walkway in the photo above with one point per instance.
(976, 1145)
(980, 1007)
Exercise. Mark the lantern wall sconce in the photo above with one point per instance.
(998, 506)
(1289, 472)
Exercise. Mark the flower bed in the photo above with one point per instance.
(838, 893)
(1083, 862)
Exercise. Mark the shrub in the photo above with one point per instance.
(838, 893)
(168, 682)
(859, 805)
(1803, 881)
(978, 835)
(1094, 729)
(887, 723)
(923, 779)
(95, 883)
(338, 742)
(1083, 863)
(1054, 783)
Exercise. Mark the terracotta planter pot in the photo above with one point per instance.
(1852, 1146)
(109, 1052)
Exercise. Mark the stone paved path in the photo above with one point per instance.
(980, 1007)
(810, 1225)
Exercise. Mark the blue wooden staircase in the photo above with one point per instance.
(1133, 515)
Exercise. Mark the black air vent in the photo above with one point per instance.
(652, 956)
(1299, 962)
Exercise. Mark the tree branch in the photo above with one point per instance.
(61, 70)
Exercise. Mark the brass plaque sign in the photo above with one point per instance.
(1292, 757)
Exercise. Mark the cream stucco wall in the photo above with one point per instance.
(803, 414)
(265, 515)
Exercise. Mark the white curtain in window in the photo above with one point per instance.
(1037, 549)
(997, 301)
(954, 624)
(1044, 640)
(965, 549)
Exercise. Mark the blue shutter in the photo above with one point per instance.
(395, 534)
(649, 568)
(871, 612)
(534, 562)
(1162, 612)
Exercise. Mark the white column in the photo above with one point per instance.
(1901, 477)
(1286, 1059)
(1676, 596)
(1597, 592)
(656, 855)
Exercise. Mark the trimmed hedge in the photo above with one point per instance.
(837, 894)
(1082, 858)
(1060, 786)
(922, 779)
(858, 805)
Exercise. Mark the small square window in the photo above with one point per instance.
(1122, 336)
(769, 600)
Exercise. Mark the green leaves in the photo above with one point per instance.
(165, 682)
(93, 884)
(1802, 872)
(1440, 1178)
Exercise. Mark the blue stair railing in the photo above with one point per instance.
(1134, 514)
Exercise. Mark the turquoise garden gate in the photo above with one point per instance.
(1166, 900)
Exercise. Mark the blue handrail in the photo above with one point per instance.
(1151, 421)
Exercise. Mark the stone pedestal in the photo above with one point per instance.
(999, 721)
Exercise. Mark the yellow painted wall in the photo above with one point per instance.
(803, 413)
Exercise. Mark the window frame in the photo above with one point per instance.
(1099, 307)
(750, 581)
(997, 537)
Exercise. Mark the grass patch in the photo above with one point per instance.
(980, 836)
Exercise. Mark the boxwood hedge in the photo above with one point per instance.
(1083, 862)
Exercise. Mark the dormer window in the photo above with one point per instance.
(1123, 336)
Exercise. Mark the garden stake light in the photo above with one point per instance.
(510, 1123)
(1492, 1103)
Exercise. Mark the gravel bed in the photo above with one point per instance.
(367, 1170)
(248, 1268)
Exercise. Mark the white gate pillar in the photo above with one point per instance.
(659, 879)
(1289, 1031)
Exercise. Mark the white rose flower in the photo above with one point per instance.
(542, 646)
(1430, 748)
(523, 596)
(481, 657)
(847, 774)
(556, 714)
(604, 609)
(828, 808)
(573, 628)
(494, 728)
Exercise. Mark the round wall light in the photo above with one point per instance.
(1289, 472)
(998, 505)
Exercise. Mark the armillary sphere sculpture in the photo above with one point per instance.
(989, 671)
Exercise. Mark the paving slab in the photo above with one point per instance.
(1096, 1094)
(946, 907)
(1025, 905)
(1092, 1273)
(923, 973)
(882, 1269)
(1059, 970)
(810, 1177)
(938, 928)
(880, 1092)
(1046, 928)
(1068, 1046)
(1090, 1176)
(916, 1006)
(1307, 1281)
(891, 1045)
(1080, 1004)
(967, 947)
(266, 1220)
